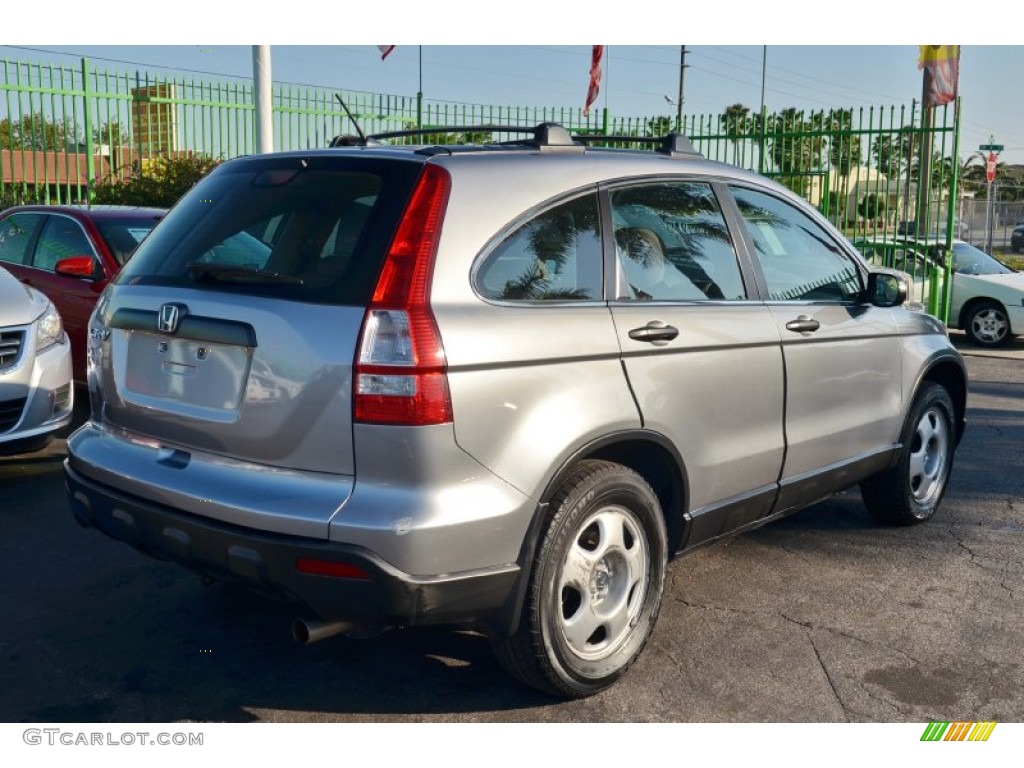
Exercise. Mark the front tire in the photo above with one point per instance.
(595, 586)
(909, 492)
(987, 324)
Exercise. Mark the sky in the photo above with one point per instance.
(538, 54)
(533, 54)
(637, 79)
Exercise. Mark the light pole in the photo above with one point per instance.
(682, 80)
(763, 117)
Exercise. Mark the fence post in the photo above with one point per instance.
(947, 285)
(90, 161)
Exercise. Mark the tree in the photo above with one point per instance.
(894, 152)
(660, 126)
(872, 207)
(797, 146)
(974, 174)
(844, 148)
(940, 171)
(738, 124)
(465, 137)
(38, 132)
(111, 133)
(159, 182)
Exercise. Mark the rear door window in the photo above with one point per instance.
(672, 244)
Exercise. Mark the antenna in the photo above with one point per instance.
(362, 136)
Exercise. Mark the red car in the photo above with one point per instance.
(70, 253)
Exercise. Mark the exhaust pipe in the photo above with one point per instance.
(306, 632)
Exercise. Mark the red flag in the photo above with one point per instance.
(595, 77)
(385, 50)
(942, 63)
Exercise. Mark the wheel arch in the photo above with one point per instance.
(649, 454)
(948, 372)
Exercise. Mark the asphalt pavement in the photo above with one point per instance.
(823, 617)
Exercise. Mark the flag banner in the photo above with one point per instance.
(942, 63)
(595, 77)
(385, 50)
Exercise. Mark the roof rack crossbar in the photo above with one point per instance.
(451, 129)
(670, 144)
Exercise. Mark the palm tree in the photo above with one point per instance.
(974, 171)
(737, 126)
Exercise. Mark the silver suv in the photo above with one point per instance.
(499, 385)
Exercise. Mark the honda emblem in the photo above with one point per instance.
(170, 316)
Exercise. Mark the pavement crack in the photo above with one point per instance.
(1009, 590)
(962, 544)
(711, 607)
(889, 703)
(828, 675)
(797, 555)
(833, 630)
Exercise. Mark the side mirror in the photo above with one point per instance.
(76, 266)
(887, 289)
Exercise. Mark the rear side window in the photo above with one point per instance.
(310, 229)
(554, 256)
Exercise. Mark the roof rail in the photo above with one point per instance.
(545, 135)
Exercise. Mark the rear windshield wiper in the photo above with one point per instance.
(225, 273)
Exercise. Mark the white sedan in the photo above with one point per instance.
(988, 296)
(36, 396)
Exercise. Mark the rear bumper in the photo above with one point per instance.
(267, 562)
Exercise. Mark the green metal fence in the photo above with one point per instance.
(63, 129)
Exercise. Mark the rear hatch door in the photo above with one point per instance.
(232, 330)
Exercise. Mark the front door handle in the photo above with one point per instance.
(803, 324)
(654, 331)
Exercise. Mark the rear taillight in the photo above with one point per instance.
(400, 372)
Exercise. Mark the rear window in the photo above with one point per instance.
(309, 229)
(123, 236)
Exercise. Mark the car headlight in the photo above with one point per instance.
(49, 328)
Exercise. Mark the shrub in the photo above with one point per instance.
(158, 182)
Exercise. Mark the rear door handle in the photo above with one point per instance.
(654, 331)
(803, 324)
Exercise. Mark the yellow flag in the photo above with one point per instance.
(942, 63)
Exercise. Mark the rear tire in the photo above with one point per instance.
(909, 492)
(595, 586)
